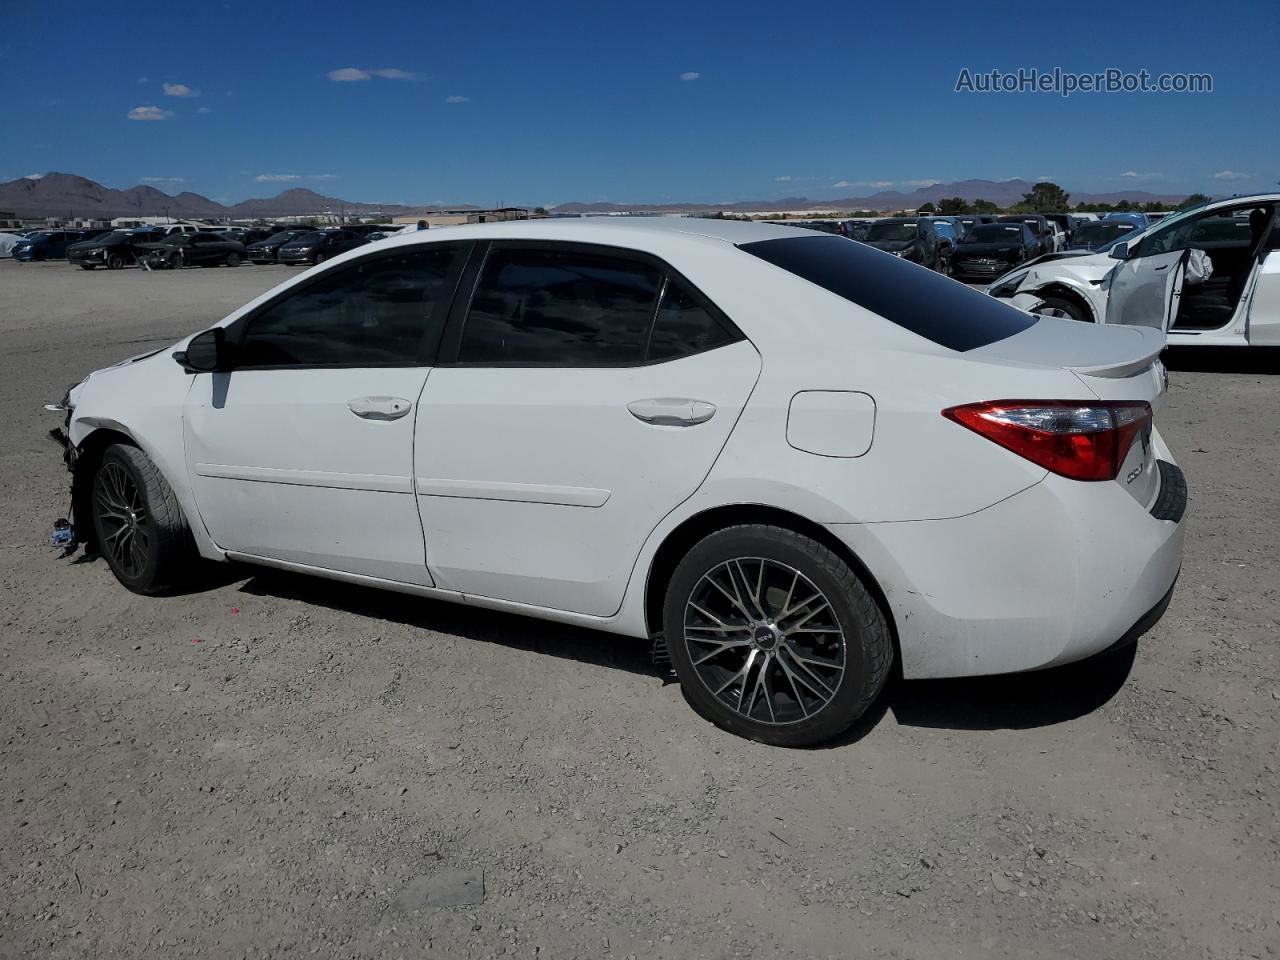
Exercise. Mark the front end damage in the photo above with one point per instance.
(67, 533)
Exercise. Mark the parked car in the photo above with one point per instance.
(367, 229)
(113, 249)
(1039, 228)
(245, 235)
(192, 250)
(1139, 220)
(911, 238)
(1142, 278)
(265, 250)
(1098, 233)
(7, 242)
(317, 246)
(970, 220)
(793, 468)
(48, 244)
(1067, 223)
(949, 230)
(991, 249)
(856, 229)
(822, 226)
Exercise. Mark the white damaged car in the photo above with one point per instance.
(1208, 275)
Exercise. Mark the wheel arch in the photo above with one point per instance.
(693, 529)
(1064, 291)
(88, 455)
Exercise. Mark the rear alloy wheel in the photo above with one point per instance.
(115, 262)
(137, 522)
(233, 259)
(1064, 309)
(774, 637)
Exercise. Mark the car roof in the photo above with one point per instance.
(643, 232)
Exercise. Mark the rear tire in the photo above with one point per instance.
(138, 523)
(317, 259)
(798, 652)
(233, 259)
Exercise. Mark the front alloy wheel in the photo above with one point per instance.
(124, 529)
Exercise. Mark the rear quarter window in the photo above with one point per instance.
(926, 303)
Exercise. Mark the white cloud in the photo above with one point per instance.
(457, 99)
(179, 90)
(394, 73)
(149, 113)
(323, 176)
(203, 110)
(1043, 179)
(34, 176)
(347, 75)
(690, 75)
(144, 79)
(277, 178)
(163, 180)
(1230, 175)
(920, 183)
(781, 179)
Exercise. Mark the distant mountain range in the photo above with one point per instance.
(65, 194)
(1004, 193)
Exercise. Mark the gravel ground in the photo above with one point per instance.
(275, 766)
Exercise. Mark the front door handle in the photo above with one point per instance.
(379, 408)
(672, 411)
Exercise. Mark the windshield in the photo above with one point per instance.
(115, 236)
(922, 301)
(1101, 231)
(994, 233)
(282, 236)
(891, 231)
(314, 237)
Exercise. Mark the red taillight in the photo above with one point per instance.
(1082, 440)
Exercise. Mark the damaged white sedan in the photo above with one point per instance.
(1207, 276)
(794, 458)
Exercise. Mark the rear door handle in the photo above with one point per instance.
(379, 408)
(672, 411)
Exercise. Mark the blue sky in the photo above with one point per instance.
(547, 102)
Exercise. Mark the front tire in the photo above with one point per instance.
(233, 259)
(1064, 309)
(774, 636)
(138, 523)
(177, 261)
(115, 262)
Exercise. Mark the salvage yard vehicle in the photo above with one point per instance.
(794, 458)
(1148, 278)
(990, 249)
(1098, 233)
(113, 250)
(265, 251)
(1040, 228)
(317, 246)
(49, 244)
(912, 238)
(192, 250)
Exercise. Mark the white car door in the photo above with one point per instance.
(1144, 291)
(302, 450)
(1264, 309)
(563, 421)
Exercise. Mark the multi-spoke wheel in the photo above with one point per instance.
(773, 635)
(137, 524)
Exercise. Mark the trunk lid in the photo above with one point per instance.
(1120, 363)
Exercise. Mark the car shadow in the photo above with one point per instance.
(511, 630)
(1011, 702)
(1264, 360)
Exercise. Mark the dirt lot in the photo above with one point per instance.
(273, 766)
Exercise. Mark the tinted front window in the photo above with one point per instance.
(919, 300)
(563, 307)
(377, 312)
(994, 233)
(684, 326)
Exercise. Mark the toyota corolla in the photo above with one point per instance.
(791, 457)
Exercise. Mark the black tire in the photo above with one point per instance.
(177, 261)
(1060, 307)
(87, 266)
(317, 259)
(115, 262)
(137, 522)
(850, 628)
(233, 259)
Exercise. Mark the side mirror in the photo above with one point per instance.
(206, 352)
(1120, 251)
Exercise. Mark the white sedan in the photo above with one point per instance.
(1207, 276)
(793, 457)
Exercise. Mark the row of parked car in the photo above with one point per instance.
(983, 246)
(179, 245)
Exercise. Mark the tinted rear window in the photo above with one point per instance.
(919, 300)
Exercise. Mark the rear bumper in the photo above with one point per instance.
(1054, 574)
